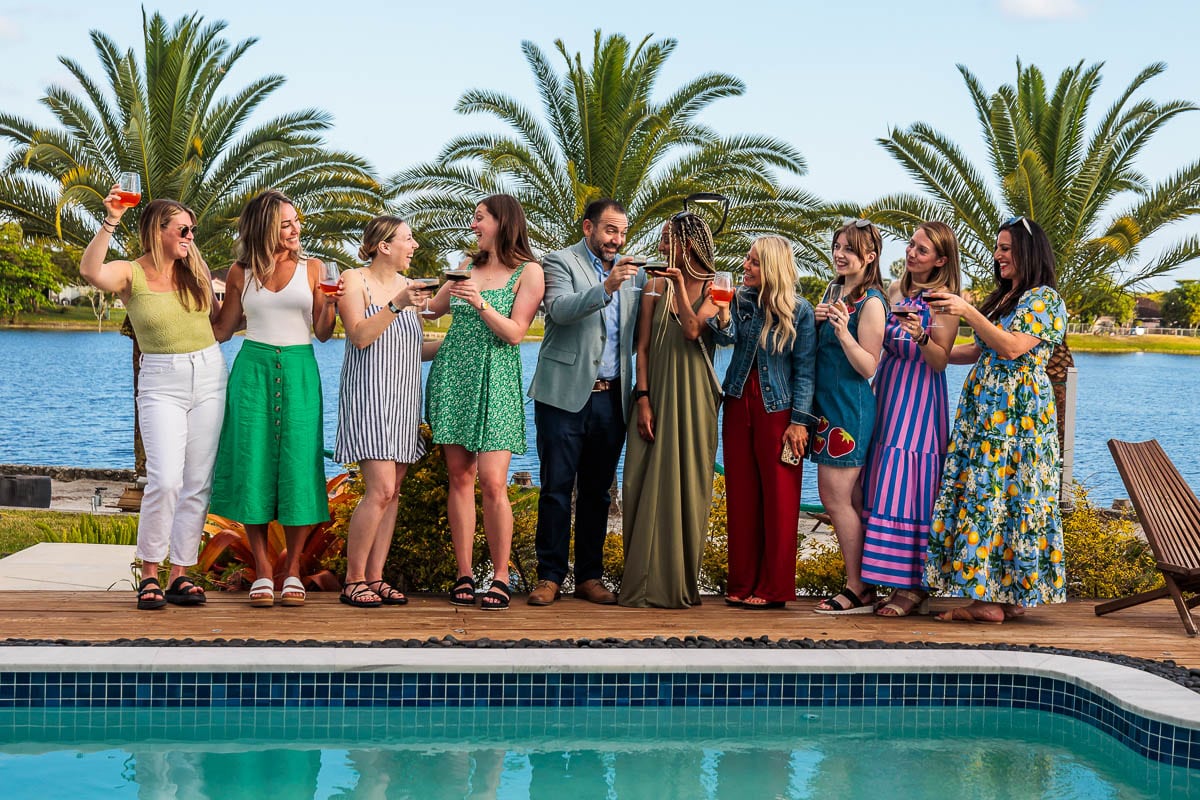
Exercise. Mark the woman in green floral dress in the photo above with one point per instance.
(997, 532)
(474, 391)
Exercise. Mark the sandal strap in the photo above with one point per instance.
(853, 599)
(263, 586)
(463, 586)
(363, 588)
(385, 590)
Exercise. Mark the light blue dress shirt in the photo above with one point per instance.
(610, 364)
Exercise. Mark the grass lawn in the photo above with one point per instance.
(72, 317)
(1150, 343)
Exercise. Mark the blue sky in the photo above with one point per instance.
(828, 78)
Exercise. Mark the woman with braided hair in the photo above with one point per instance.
(672, 440)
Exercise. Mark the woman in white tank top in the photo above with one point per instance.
(270, 463)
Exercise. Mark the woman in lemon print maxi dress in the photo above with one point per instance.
(996, 535)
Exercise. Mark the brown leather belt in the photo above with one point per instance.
(604, 386)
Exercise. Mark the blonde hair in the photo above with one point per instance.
(777, 292)
(949, 274)
(378, 231)
(259, 234)
(190, 274)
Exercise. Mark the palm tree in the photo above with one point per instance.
(166, 119)
(1045, 163)
(602, 135)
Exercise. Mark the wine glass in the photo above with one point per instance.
(833, 293)
(722, 287)
(459, 273)
(637, 262)
(933, 323)
(330, 273)
(431, 284)
(903, 309)
(129, 189)
(654, 268)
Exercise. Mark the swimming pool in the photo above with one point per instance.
(661, 720)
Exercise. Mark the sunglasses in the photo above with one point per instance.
(862, 223)
(184, 230)
(1014, 220)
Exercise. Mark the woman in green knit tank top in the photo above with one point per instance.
(167, 292)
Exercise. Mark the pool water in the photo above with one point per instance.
(572, 754)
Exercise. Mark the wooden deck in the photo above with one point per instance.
(1151, 631)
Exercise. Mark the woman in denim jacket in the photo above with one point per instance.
(768, 404)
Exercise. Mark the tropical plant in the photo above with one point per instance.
(227, 562)
(602, 134)
(1047, 163)
(164, 117)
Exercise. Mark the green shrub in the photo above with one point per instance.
(820, 571)
(1105, 556)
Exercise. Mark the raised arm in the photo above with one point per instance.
(1007, 344)
(113, 276)
(862, 352)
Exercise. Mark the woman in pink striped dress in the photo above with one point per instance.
(902, 476)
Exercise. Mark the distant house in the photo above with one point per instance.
(1149, 311)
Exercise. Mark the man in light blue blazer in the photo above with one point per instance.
(581, 391)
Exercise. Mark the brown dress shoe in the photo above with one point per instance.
(545, 593)
(594, 591)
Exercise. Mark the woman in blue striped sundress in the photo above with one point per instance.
(379, 405)
(902, 477)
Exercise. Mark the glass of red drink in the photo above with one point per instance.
(722, 287)
(330, 273)
(129, 189)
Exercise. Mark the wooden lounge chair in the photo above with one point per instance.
(1170, 516)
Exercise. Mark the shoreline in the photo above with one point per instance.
(1078, 342)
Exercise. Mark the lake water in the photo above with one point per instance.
(67, 400)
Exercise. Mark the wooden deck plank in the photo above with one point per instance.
(1151, 631)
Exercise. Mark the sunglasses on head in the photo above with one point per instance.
(862, 223)
(1023, 220)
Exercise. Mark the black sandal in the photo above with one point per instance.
(180, 593)
(390, 595)
(352, 599)
(151, 587)
(496, 600)
(463, 591)
(847, 602)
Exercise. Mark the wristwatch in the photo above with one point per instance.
(640, 393)
(392, 307)
(484, 305)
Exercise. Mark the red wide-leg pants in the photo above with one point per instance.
(762, 498)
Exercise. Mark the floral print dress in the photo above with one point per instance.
(996, 534)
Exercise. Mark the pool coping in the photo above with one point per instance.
(1149, 696)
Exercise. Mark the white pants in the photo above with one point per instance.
(181, 403)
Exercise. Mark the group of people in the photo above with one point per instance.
(626, 365)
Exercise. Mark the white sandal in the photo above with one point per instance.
(292, 593)
(262, 593)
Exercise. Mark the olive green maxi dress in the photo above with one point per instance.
(667, 488)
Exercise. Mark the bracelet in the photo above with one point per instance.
(923, 339)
